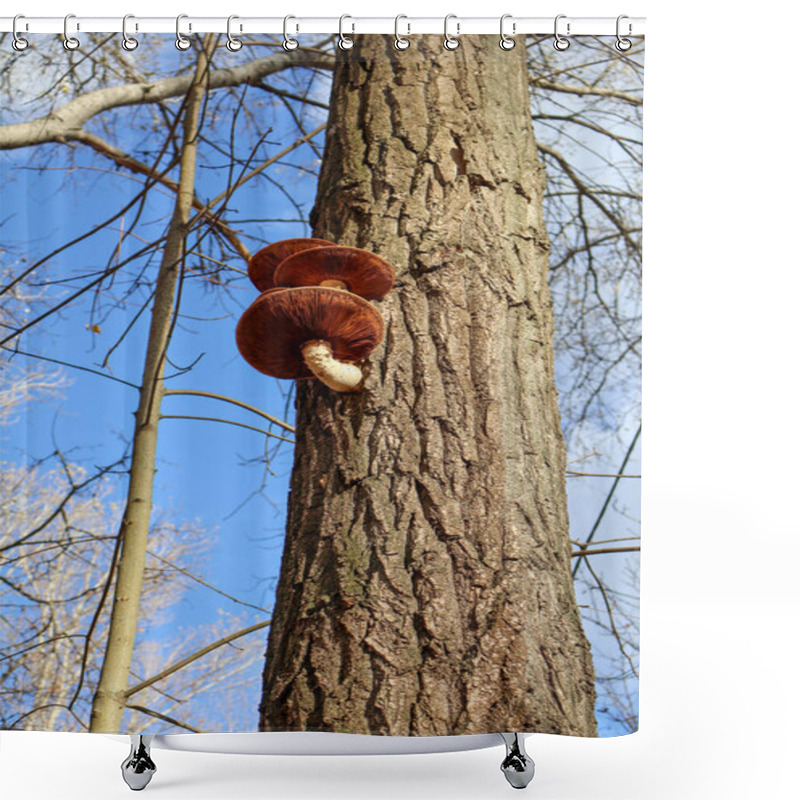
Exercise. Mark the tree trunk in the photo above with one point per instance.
(110, 697)
(425, 586)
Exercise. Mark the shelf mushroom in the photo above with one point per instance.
(263, 263)
(312, 318)
(358, 271)
(310, 331)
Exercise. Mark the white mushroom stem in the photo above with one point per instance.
(334, 284)
(341, 376)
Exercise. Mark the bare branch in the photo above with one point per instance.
(227, 422)
(65, 123)
(235, 402)
(199, 654)
(164, 717)
(571, 88)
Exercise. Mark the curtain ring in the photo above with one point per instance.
(623, 45)
(181, 42)
(400, 42)
(289, 44)
(451, 42)
(560, 43)
(233, 44)
(17, 42)
(128, 42)
(70, 42)
(506, 42)
(345, 42)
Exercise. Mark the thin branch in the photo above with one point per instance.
(609, 496)
(598, 91)
(66, 122)
(610, 611)
(228, 422)
(124, 160)
(159, 715)
(235, 402)
(199, 654)
(74, 489)
(15, 351)
(591, 194)
(589, 552)
(19, 719)
(600, 474)
(283, 93)
(193, 577)
(269, 162)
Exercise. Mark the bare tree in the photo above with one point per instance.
(56, 544)
(228, 108)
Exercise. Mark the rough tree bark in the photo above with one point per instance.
(425, 586)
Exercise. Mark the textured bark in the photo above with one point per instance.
(425, 586)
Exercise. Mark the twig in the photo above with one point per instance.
(607, 502)
(228, 422)
(588, 552)
(199, 654)
(203, 583)
(600, 474)
(159, 715)
(235, 402)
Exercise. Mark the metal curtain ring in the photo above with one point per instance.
(506, 42)
(70, 42)
(233, 44)
(289, 44)
(623, 45)
(181, 42)
(560, 43)
(345, 42)
(400, 42)
(128, 42)
(450, 42)
(17, 42)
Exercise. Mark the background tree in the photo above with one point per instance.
(56, 542)
(258, 148)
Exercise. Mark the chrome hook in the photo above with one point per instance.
(181, 42)
(289, 44)
(233, 44)
(345, 42)
(70, 42)
(506, 42)
(451, 42)
(623, 45)
(400, 42)
(128, 42)
(560, 42)
(17, 42)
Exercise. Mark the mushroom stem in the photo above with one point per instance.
(334, 284)
(341, 376)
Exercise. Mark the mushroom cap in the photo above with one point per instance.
(279, 322)
(262, 264)
(365, 274)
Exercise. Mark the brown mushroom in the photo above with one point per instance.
(358, 271)
(262, 264)
(292, 333)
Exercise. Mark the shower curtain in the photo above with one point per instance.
(196, 540)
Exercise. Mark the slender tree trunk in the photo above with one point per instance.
(110, 697)
(425, 586)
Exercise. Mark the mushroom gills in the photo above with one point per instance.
(341, 376)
